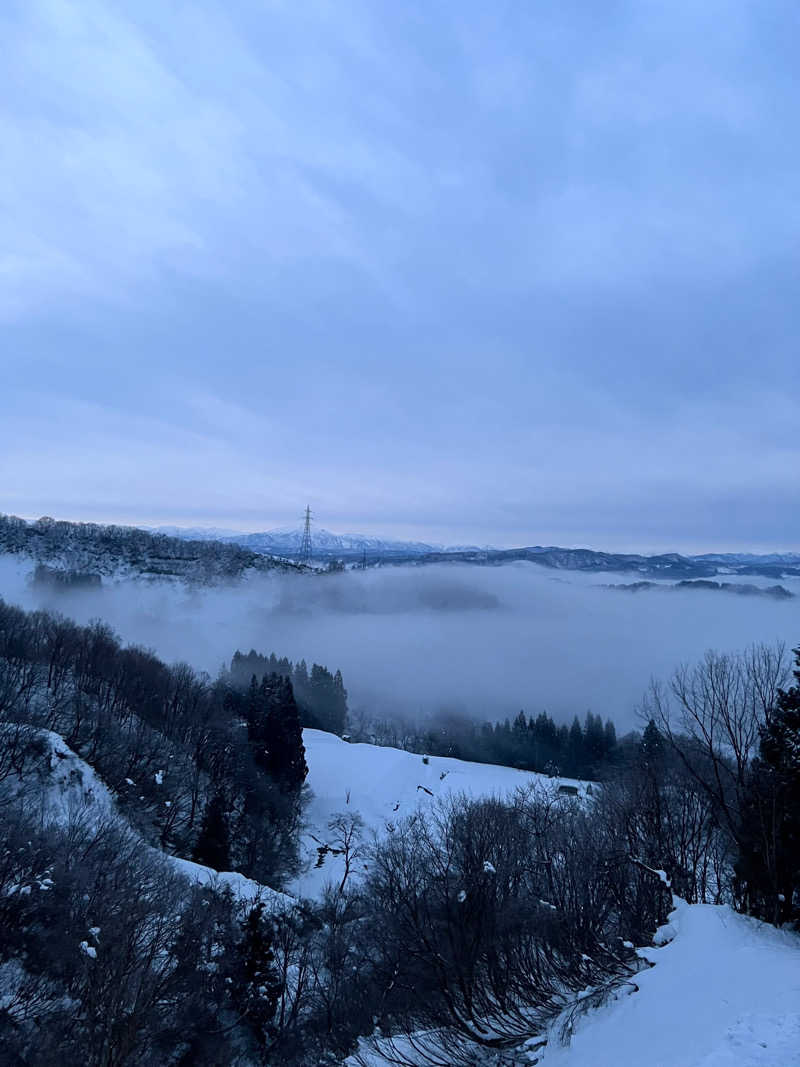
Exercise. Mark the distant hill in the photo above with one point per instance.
(776, 592)
(85, 550)
(744, 558)
(668, 565)
(329, 546)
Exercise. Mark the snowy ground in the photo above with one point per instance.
(384, 785)
(724, 992)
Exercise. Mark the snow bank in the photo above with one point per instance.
(243, 888)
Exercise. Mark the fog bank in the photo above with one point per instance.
(484, 640)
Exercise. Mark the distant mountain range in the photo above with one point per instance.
(329, 546)
(326, 545)
(83, 552)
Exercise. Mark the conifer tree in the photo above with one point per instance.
(651, 747)
(213, 845)
(768, 867)
(255, 982)
(283, 753)
(610, 736)
(575, 749)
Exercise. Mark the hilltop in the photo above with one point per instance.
(86, 551)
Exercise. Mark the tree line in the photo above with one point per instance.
(321, 695)
(581, 750)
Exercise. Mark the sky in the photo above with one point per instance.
(502, 273)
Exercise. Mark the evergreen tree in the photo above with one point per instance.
(651, 747)
(562, 744)
(575, 757)
(327, 699)
(255, 983)
(610, 736)
(339, 704)
(594, 739)
(213, 847)
(300, 677)
(277, 735)
(768, 867)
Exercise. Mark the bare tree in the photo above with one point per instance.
(712, 713)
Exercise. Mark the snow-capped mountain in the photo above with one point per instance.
(287, 541)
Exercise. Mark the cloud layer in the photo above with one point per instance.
(503, 274)
(483, 641)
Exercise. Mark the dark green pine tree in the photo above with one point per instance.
(279, 736)
(255, 984)
(255, 707)
(769, 861)
(610, 736)
(780, 751)
(300, 677)
(594, 740)
(339, 704)
(327, 699)
(213, 847)
(651, 747)
(575, 760)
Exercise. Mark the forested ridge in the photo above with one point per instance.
(462, 932)
(87, 548)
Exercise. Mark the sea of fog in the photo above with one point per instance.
(483, 640)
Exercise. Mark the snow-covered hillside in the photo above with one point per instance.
(381, 785)
(384, 785)
(67, 789)
(78, 552)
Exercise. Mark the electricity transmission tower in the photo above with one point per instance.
(305, 544)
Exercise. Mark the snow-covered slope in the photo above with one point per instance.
(67, 789)
(384, 785)
(724, 992)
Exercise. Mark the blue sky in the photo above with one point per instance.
(493, 273)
